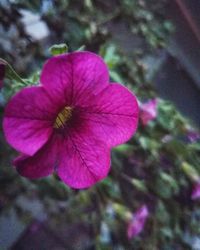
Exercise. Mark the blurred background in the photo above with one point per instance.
(153, 48)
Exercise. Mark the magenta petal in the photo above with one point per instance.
(84, 161)
(196, 191)
(28, 120)
(193, 136)
(70, 76)
(41, 164)
(113, 115)
(148, 111)
(138, 221)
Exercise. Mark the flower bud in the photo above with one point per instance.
(137, 222)
(148, 111)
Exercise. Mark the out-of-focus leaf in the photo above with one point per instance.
(110, 56)
(194, 146)
(162, 214)
(124, 148)
(139, 185)
(82, 48)
(190, 171)
(148, 143)
(116, 77)
(170, 181)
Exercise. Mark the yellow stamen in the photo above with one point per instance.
(63, 117)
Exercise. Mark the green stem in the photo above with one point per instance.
(11, 73)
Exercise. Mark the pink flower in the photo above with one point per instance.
(148, 111)
(193, 136)
(2, 73)
(137, 222)
(69, 123)
(196, 191)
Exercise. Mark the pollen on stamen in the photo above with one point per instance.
(63, 117)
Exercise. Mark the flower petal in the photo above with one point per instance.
(84, 161)
(28, 120)
(138, 221)
(66, 77)
(196, 191)
(112, 115)
(148, 111)
(41, 164)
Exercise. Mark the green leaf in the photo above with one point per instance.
(190, 171)
(58, 49)
(194, 146)
(170, 181)
(124, 148)
(139, 185)
(82, 48)
(116, 77)
(149, 143)
(110, 55)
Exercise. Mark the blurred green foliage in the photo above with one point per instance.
(157, 166)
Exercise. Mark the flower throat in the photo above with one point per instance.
(63, 117)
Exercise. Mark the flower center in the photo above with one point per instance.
(63, 117)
